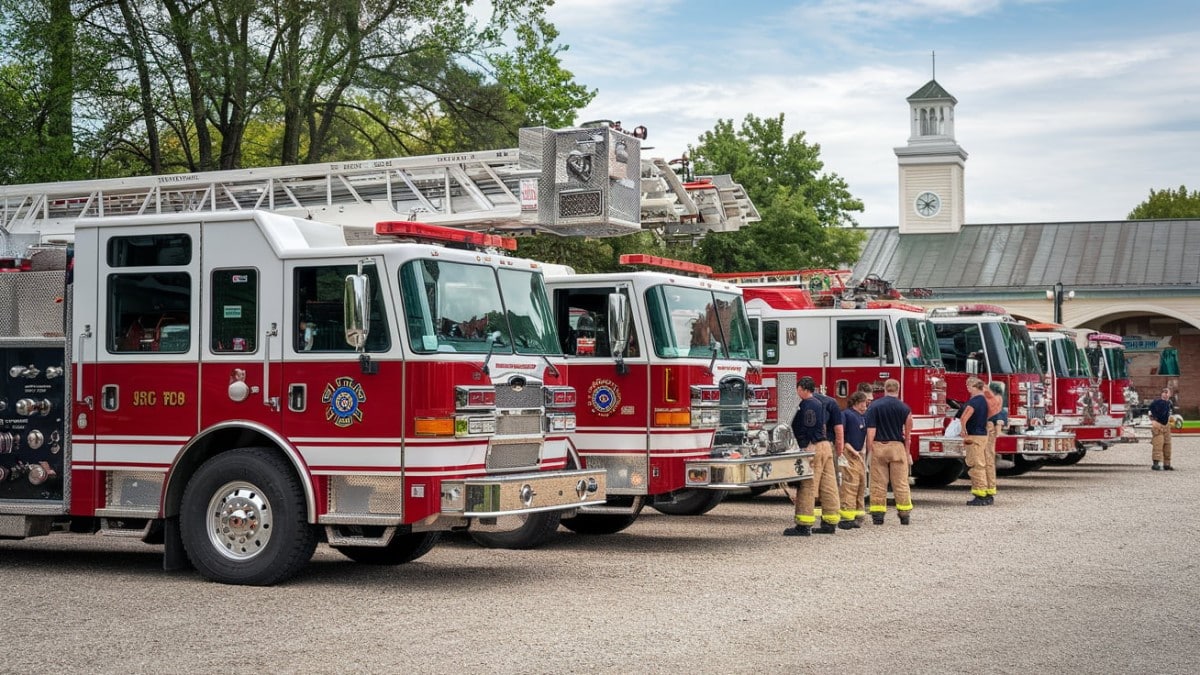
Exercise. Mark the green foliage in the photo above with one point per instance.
(1168, 203)
(585, 256)
(807, 216)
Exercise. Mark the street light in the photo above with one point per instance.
(1057, 296)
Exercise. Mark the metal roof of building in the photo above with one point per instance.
(932, 91)
(1116, 255)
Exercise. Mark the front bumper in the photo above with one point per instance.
(742, 472)
(1026, 444)
(950, 447)
(496, 496)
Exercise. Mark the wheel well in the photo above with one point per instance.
(223, 439)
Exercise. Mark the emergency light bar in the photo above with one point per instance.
(970, 310)
(891, 304)
(836, 278)
(1106, 337)
(665, 263)
(440, 233)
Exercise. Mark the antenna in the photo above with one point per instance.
(933, 65)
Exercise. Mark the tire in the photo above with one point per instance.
(244, 519)
(401, 549)
(690, 502)
(937, 473)
(602, 523)
(536, 529)
(1070, 459)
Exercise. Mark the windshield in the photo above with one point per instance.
(460, 307)
(1010, 349)
(1066, 358)
(1108, 363)
(693, 321)
(1000, 348)
(918, 342)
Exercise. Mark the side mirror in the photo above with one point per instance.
(619, 319)
(972, 366)
(356, 310)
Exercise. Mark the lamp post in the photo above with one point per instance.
(1057, 296)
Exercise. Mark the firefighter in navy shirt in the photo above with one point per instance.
(974, 417)
(854, 473)
(808, 425)
(889, 427)
(835, 434)
(1160, 431)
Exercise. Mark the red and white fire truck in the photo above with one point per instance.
(1073, 400)
(811, 324)
(672, 406)
(985, 341)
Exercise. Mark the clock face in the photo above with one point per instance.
(928, 204)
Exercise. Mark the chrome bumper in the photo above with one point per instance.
(729, 473)
(497, 496)
(942, 446)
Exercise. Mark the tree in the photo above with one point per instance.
(1168, 203)
(807, 216)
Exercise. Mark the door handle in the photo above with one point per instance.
(297, 397)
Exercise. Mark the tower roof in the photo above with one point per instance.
(932, 91)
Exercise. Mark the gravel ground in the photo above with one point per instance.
(1090, 568)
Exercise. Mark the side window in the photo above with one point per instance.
(581, 315)
(858, 338)
(958, 342)
(770, 342)
(234, 310)
(149, 312)
(318, 325)
(150, 250)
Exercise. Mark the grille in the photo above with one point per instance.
(508, 456)
(366, 494)
(35, 310)
(579, 204)
(512, 425)
(530, 396)
(134, 489)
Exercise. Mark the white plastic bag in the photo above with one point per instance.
(954, 429)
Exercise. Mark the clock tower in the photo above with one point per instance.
(931, 165)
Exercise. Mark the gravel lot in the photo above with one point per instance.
(1090, 568)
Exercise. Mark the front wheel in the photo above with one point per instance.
(401, 549)
(244, 519)
(535, 530)
(690, 502)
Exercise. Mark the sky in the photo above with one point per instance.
(1069, 110)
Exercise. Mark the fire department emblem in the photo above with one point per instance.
(344, 398)
(604, 397)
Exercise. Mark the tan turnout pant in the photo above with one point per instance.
(854, 486)
(1160, 441)
(823, 482)
(977, 452)
(989, 458)
(889, 463)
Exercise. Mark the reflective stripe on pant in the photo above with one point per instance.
(854, 486)
(976, 447)
(1160, 441)
(824, 482)
(989, 458)
(889, 463)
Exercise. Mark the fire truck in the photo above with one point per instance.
(672, 403)
(811, 323)
(1073, 400)
(984, 341)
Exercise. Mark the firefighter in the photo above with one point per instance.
(854, 472)
(808, 426)
(1160, 431)
(974, 417)
(835, 434)
(996, 424)
(889, 426)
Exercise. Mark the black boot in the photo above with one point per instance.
(1157, 466)
(904, 517)
(826, 528)
(798, 531)
(1168, 467)
(877, 518)
(978, 501)
(846, 525)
